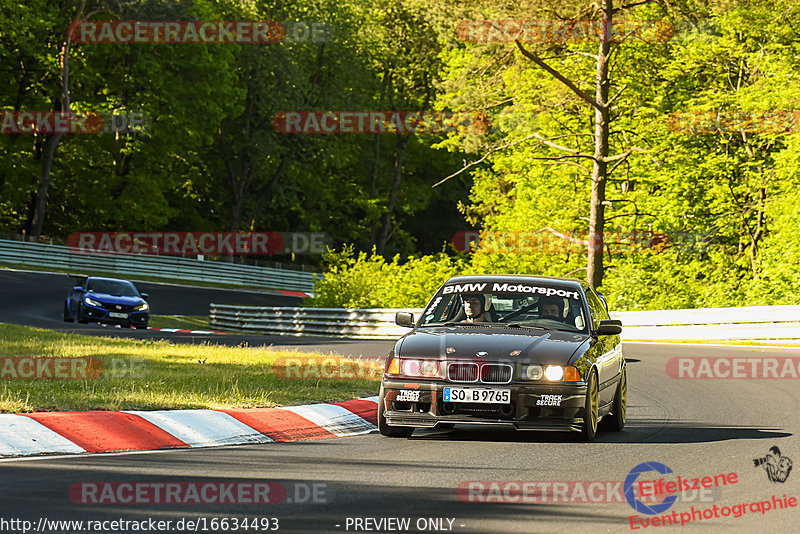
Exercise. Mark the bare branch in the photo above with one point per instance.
(571, 164)
(618, 93)
(624, 155)
(557, 75)
(481, 160)
(549, 143)
(628, 6)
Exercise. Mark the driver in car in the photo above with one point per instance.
(551, 308)
(474, 308)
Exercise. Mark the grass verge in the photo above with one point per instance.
(152, 375)
(182, 322)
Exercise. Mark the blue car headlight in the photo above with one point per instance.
(142, 307)
(92, 302)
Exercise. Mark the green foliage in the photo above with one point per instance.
(369, 281)
(211, 159)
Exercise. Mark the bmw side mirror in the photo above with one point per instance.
(404, 319)
(609, 327)
(145, 296)
(77, 288)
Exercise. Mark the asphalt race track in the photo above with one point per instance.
(698, 428)
(37, 299)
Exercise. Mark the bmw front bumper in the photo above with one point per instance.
(533, 406)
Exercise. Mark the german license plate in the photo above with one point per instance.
(118, 315)
(478, 395)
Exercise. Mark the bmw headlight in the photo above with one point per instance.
(557, 373)
(92, 302)
(142, 307)
(554, 373)
(412, 367)
(533, 372)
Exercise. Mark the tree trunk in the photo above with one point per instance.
(594, 273)
(53, 140)
(399, 159)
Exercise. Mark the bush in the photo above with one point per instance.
(369, 281)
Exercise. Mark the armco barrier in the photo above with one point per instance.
(329, 322)
(769, 323)
(176, 268)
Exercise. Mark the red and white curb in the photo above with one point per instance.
(107, 431)
(178, 330)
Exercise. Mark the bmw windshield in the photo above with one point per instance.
(507, 305)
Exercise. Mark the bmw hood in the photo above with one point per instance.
(113, 299)
(491, 343)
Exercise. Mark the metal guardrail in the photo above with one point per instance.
(773, 323)
(188, 269)
(328, 322)
(768, 323)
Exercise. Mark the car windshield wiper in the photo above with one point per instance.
(520, 325)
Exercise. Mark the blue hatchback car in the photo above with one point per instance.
(106, 300)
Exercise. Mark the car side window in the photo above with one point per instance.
(596, 307)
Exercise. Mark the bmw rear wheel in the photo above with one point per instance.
(385, 429)
(590, 415)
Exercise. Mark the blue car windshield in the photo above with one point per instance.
(118, 288)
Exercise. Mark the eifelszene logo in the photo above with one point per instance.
(630, 485)
(777, 466)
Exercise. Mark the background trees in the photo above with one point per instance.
(209, 157)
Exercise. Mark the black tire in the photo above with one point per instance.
(590, 407)
(616, 419)
(385, 429)
(81, 320)
(141, 327)
(67, 317)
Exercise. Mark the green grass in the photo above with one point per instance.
(162, 376)
(183, 322)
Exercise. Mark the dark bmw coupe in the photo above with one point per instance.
(106, 300)
(535, 353)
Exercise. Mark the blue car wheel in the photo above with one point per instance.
(81, 320)
(67, 316)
